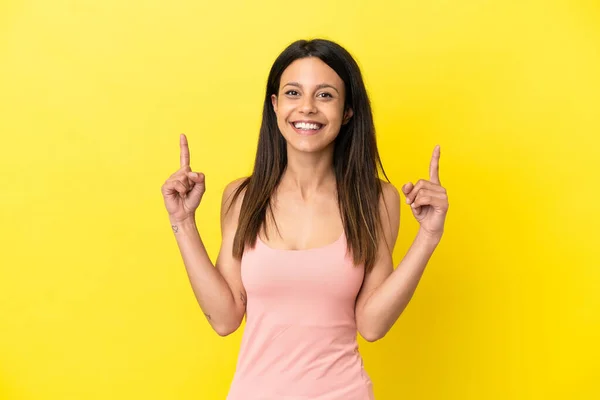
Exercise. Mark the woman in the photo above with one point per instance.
(307, 239)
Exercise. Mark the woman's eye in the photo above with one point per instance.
(291, 92)
(325, 94)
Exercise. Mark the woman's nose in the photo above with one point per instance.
(308, 105)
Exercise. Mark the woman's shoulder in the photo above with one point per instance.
(389, 212)
(234, 185)
(233, 195)
(389, 193)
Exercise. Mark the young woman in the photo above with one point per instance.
(307, 239)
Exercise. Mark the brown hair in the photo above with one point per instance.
(356, 158)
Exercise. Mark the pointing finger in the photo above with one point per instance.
(184, 151)
(434, 167)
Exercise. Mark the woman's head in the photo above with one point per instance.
(317, 82)
(293, 94)
(310, 105)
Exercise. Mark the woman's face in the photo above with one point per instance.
(310, 105)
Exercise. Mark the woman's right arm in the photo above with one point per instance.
(218, 290)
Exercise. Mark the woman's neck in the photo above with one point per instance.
(309, 173)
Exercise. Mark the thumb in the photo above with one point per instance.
(406, 188)
(199, 181)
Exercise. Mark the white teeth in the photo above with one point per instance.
(306, 126)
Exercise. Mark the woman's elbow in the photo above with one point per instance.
(371, 335)
(224, 331)
(227, 329)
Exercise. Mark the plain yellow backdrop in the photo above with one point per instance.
(95, 302)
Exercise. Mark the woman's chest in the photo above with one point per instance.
(293, 224)
(324, 273)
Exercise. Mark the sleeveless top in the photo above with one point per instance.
(300, 338)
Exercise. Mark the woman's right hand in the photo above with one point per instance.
(184, 189)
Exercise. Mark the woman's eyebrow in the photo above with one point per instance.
(319, 86)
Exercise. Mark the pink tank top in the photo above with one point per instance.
(300, 338)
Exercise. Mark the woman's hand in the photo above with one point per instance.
(428, 199)
(184, 189)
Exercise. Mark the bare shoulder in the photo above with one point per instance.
(229, 201)
(232, 187)
(390, 197)
(389, 211)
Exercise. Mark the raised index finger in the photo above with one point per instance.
(184, 151)
(434, 167)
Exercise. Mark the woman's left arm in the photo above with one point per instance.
(386, 292)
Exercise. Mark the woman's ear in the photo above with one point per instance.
(274, 102)
(347, 115)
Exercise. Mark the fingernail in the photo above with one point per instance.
(193, 174)
(407, 200)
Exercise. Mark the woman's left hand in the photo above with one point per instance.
(428, 199)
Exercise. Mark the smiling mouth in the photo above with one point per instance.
(307, 128)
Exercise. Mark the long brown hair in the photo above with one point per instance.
(356, 158)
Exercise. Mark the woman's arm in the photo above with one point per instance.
(386, 292)
(219, 291)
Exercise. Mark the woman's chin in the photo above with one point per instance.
(302, 146)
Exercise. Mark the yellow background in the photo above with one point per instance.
(95, 302)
